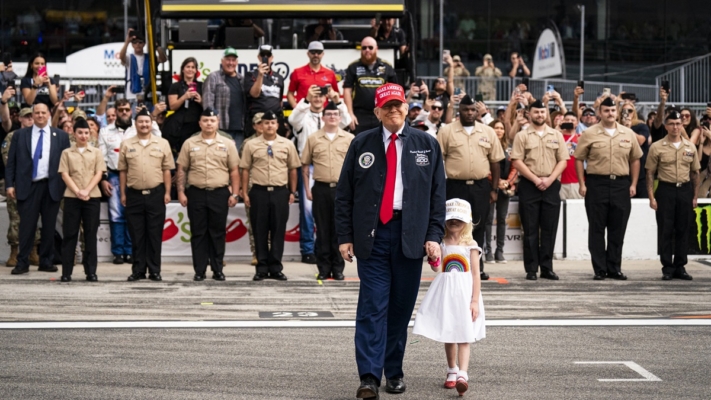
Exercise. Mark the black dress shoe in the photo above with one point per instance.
(617, 275)
(599, 276)
(395, 386)
(128, 259)
(368, 389)
(667, 277)
(531, 276)
(277, 275)
(118, 260)
(199, 277)
(20, 271)
(321, 277)
(260, 276)
(136, 277)
(484, 276)
(683, 276)
(92, 278)
(218, 276)
(549, 275)
(308, 259)
(66, 278)
(51, 268)
(338, 276)
(155, 277)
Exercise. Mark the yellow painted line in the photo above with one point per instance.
(283, 7)
(693, 317)
(206, 304)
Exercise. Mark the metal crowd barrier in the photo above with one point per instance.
(691, 82)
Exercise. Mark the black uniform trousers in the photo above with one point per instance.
(207, 211)
(145, 214)
(38, 203)
(477, 193)
(366, 120)
(268, 213)
(674, 213)
(608, 206)
(87, 213)
(540, 212)
(328, 257)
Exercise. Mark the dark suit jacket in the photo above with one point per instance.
(362, 181)
(18, 172)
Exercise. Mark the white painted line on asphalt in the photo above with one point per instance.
(648, 376)
(337, 324)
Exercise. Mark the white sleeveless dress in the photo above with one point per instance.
(444, 314)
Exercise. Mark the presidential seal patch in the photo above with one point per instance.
(422, 160)
(366, 160)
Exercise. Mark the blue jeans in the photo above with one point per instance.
(120, 240)
(306, 217)
(238, 137)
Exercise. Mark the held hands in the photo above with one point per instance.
(544, 183)
(433, 250)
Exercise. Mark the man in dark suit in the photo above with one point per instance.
(390, 208)
(31, 177)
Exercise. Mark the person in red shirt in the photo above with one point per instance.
(312, 73)
(569, 179)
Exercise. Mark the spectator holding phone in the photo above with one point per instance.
(310, 74)
(7, 75)
(569, 184)
(36, 86)
(185, 100)
(518, 68)
(488, 74)
(137, 64)
(265, 89)
(460, 72)
(691, 125)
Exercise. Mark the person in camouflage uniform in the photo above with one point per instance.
(13, 237)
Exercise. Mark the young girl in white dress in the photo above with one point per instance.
(452, 311)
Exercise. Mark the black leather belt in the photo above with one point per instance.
(675, 184)
(325, 184)
(209, 189)
(144, 192)
(269, 188)
(609, 177)
(465, 181)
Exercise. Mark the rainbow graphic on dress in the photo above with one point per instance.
(456, 262)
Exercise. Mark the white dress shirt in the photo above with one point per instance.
(305, 122)
(43, 165)
(397, 199)
(110, 139)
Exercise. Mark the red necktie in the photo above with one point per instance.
(386, 206)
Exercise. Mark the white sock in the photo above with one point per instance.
(452, 371)
(463, 374)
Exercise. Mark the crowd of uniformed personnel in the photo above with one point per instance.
(597, 149)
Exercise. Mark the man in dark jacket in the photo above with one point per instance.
(390, 208)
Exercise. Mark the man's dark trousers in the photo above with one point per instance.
(608, 206)
(674, 213)
(207, 210)
(540, 212)
(477, 193)
(328, 257)
(38, 203)
(269, 213)
(145, 214)
(389, 283)
(366, 120)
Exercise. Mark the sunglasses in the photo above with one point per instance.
(124, 110)
(270, 152)
(685, 116)
(367, 47)
(437, 108)
(588, 115)
(316, 52)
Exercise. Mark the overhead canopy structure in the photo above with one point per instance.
(284, 8)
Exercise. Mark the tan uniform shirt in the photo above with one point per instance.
(81, 167)
(327, 156)
(208, 165)
(144, 165)
(266, 170)
(468, 156)
(540, 153)
(671, 164)
(605, 154)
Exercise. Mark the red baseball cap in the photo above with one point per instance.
(389, 92)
